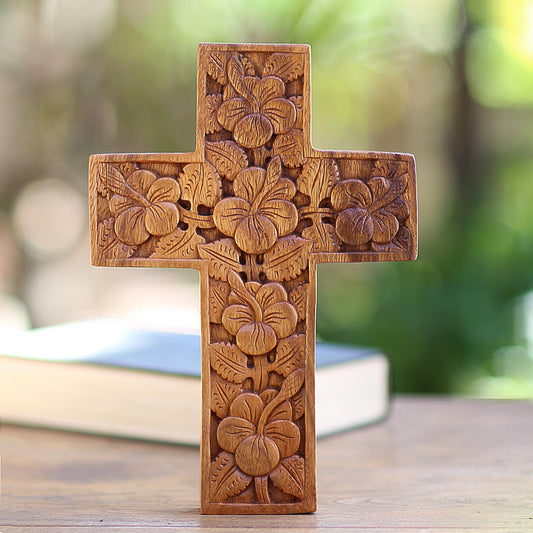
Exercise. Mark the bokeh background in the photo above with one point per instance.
(447, 80)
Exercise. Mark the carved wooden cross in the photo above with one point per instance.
(254, 209)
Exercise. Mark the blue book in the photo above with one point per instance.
(107, 377)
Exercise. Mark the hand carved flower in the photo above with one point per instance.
(258, 315)
(147, 207)
(260, 111)
(261, 211)
(370, 211)
(259, 436)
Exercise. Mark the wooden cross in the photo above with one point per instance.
(254, 209)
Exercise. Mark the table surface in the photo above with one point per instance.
(437, 464)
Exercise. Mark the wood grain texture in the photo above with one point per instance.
(435, 465)
(254, 208)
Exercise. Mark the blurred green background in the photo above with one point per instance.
(450, 81)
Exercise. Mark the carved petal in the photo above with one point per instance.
(232, 431)
(248, 406)
(351, 193)
(282, 214)
(161, 218)
(385, 226)
(256, 338)
(257, 455)
(253, 131)
(118, 204)
(249, 183)
(355, 226)
(255, 234)
(228, 213)
(253, 287)
(284, 189)
(231, 111)
(282, 317)
(164, 190)
(269, 294)
(236, 316)
(130, 228)
(268, 88)
(281, 113)
(285, 434)
(282, 412)
(379, 187)
(141, 180)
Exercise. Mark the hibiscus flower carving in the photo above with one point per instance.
(259, 111)
(370, 211)
(259, 431)
(143, 205)
(258, 315)
(261, 211)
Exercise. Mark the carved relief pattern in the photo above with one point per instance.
(254, 210)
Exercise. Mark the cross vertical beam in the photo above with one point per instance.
(254, 209)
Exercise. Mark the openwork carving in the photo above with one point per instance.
(254, 208)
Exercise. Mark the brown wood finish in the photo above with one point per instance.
(254, 209)
(437, 464)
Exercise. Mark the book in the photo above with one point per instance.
(107, 377)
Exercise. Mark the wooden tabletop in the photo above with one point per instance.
(436, 464)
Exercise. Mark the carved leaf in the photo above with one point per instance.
(323, 236)
(289, 476)
(236, 78)
(226, 480)
(227, 157)
(229, 92)
(218, 300)
(249, 69)
(109, 247)
(290, 354)
(402, 242)
(213, 102)
(216, 66)
(222, 394)
(389, 169)
(289, 146)
(111, 181)
(286, 66)
(223, 256)
(238, 287)
(200, 184)
(229, 362)
(178, 245)
(298, 404)
(298, 102)
(318, 178)
(298, 298)
(287, 259)
(292, 384)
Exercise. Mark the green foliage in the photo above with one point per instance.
(451, 82)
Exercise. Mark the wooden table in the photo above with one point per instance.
(436, 464)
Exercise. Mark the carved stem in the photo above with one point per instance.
(252, 267)
(260, 373)
(261, 489)
(260, 155)
(267, 412)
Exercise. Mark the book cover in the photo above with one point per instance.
(105, 376)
